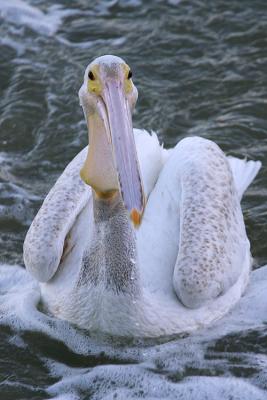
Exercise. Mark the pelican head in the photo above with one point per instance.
(108, 97)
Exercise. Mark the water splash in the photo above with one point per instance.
(21, 13)
(134, 369)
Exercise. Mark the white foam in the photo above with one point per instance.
(153, 371)
(23, 14)
(65, 397)
(132, 382)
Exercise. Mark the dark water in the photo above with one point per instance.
(200, 68)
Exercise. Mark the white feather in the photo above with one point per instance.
(243, 172)
(171, 185)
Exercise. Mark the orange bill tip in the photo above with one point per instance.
(136, 217)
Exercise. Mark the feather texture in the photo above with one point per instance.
(193, 255)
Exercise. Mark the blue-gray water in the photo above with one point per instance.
(200, 68)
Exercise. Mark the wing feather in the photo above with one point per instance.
(44, 242)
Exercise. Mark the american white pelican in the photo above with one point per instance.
(189, 260)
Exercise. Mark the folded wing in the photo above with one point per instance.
(45, 240)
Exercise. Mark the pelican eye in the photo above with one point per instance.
(91, 76)
(130, 74)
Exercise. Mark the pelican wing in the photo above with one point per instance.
(45, 240)
(193, 238)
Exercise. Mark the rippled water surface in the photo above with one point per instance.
(200, 68)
